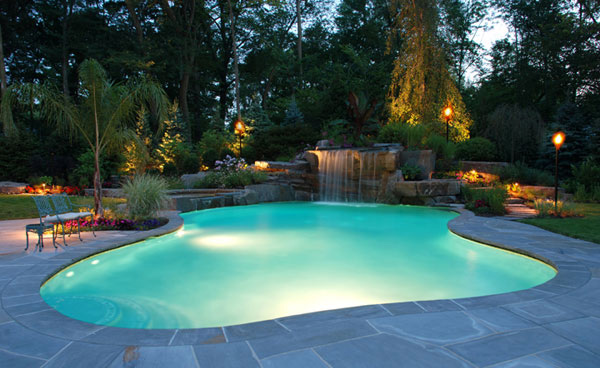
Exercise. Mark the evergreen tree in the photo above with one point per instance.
(293, 115)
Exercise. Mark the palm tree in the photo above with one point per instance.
(101, 115)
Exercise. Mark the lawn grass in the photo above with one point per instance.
(586, 228)
(21, 206)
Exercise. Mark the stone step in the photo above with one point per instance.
(513, 200)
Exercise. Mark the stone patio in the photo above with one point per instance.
(556, 324)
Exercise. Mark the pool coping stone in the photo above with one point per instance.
(553, 323)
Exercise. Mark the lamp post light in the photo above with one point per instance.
(447, 115)
(240, 128)
(558, 139)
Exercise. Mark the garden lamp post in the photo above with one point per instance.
(558, 139)
(447, 116)
(240, 128)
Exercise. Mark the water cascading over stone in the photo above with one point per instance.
(352, 175)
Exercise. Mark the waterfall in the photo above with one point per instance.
(336, 171)
(347, 175)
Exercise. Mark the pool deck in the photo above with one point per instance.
(556, 324)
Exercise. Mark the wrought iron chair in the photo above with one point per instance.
(44, 209)
(65, 211)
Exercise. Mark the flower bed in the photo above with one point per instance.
(117, 224)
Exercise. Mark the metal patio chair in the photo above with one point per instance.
(44, 209)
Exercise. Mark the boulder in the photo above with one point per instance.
(189, 179)
(405, 189)
(425, 159)
(323, 143)
(247, 197)
(272, 192)
(11, 187)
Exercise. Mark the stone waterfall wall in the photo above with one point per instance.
(369, 175)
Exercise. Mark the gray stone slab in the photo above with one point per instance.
(437, 328)
(253, 330)
(386, 351)
(526, 362)
(27, 288)
(508, 346)
(20, 300)
(571, 357)
(199, 336)
(590, 292)
(311, 319)
(20, 340)
(18, 310)
(589, 309)
(311, 337)
(231, 355)
(500, 319)
(571, 278)
(155, 356)
(583, 331)
(543, 311)
(131, 336)
(19, 361)
(439, 305)
(53, 323)
(404, 308)
(296, 359)
(4, 317)
(80, 354)
(9, 271)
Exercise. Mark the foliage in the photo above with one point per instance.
(285, 141)
(410, 172)
(214, 146)
(523, 174)
(485, 201)
(231, 179)
(293, 115)
(587, 174)
(476, 149)
(421, 85)
(361, 111)
(587, 195)
(546, 208)
(83, 174)
(146, 195)
(517, 131)
(409, 135)
(116, 223)
(442, 149)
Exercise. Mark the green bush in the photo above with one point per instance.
(146, 195)
(214, 146)
(442, 149)
(411, 136)
(231, 179)
(83, 175)
(522, 174)
(476, 149)
(546, 208)
(485, 201)
(410, 172)
(587, 195)
(587, 174)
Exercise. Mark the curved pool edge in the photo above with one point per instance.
(572, 275)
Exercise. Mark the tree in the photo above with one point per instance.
(421, 85)
(100, 117)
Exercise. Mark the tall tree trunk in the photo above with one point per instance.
(136, 21)
(99, 211)
(2, 67)
(68, 10)
(236, 69)
(299, 22)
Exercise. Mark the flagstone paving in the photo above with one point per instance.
(556, 324)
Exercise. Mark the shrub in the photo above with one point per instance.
(546, 208)
(411, 136)
(587, 174)
(476, 149)
(410, 172)
(214, 146)
(523, 174)
(146, 195)
(584, 195)
(231, 179)
(485, 201)
(442, 149)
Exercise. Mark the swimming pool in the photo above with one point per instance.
(244, 264)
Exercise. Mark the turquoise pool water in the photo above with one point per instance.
(244, 264)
